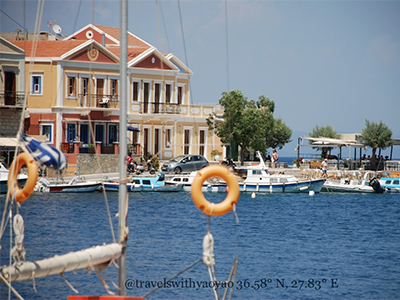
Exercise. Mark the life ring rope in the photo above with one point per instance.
(210, 208)
(14, 190)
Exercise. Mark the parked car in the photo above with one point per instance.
(185, 163)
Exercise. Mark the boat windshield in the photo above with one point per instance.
(161, 177)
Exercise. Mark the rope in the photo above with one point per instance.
(10, 287)
(69, 284)
(103, 282)
(173, 277)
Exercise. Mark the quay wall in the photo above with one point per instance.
(90, 164)
(96, 163)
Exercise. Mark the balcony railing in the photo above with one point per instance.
(12, 99)
(94, 100)
(85, 148)
(159, 108)
(110, 101)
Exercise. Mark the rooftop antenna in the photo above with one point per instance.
(56, 29)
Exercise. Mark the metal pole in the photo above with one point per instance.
(122, 144)
(298, 151)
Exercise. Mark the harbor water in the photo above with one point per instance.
(289, 246)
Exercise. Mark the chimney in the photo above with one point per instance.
(103, 39)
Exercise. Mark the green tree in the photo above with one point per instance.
(376, 136)
(279, 135)
(245, 122)
(327, 132)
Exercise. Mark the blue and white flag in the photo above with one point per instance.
(44, 154)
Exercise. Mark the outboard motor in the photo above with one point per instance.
(374, 183)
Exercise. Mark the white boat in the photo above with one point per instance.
(75, 185)
(186, 180)
(4, 178)
(350, 185)
(260, 180)
(143, 184)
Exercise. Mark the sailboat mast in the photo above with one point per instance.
(122, 144)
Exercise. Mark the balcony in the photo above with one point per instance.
(12, 99)
(87, 148)
(159, 108)
(101, 101)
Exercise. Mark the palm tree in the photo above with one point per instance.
(376, 135)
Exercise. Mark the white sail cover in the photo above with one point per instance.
(87, 258)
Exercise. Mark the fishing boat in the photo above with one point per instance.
(4, 172)
(144, 184)
(186, 179)
(75, 185)
(260, 180)
(350, 185)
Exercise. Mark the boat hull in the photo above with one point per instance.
(336, 187)
(4, 185)
(296, 187)
(131, 187)
(211, 188)
(78, 188)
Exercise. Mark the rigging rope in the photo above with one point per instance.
(173, 277)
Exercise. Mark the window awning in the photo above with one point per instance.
(8, 142)
(131, 128)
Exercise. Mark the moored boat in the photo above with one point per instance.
(186, 180)
(75, 185)
(350, 185)
(4, 178)
(386, 185)
(143, 184)
(260, 180)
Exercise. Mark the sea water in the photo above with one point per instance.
(289, 246)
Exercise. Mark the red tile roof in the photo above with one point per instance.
(47, 48)
(132, 39)
(57, 48)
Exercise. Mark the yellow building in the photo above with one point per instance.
(73, 96)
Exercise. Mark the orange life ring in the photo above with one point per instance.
(22, 194)
(215, 209)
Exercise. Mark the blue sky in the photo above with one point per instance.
(323, 62)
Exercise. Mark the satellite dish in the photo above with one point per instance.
(56, 28)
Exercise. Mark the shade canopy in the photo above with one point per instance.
(131, 128)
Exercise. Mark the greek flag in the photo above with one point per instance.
(44, 154)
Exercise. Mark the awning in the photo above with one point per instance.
(329, 142)
(131, 128)
(8, 142)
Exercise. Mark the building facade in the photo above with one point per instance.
(72, 90)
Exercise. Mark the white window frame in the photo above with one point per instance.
(117, 92)
(84, 97)
(205, 129)
(139, 88)
(42, 125)
(190, 128)
(67, 76)
(183, 93)
(39, 85)
(171, 96)
(168, 144)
